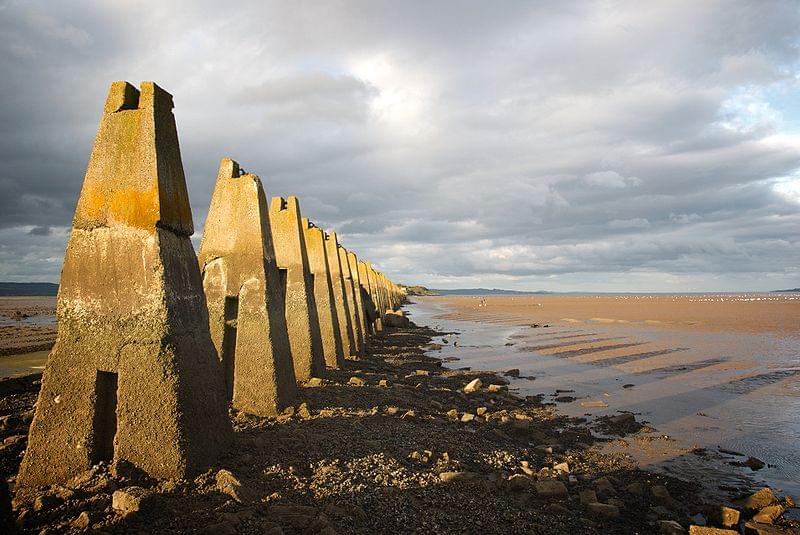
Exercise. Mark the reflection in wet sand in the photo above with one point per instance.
(727, 380)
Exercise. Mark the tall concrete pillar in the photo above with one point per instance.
(339, 296)
(323, 294)
(367, 303)
(350, 295)
(302, 320)
(133, 376)
(244, 291)
(352, 261)
(375, 294)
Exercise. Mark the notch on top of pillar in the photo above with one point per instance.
(124, 96)
(290, 203)
(229, 169)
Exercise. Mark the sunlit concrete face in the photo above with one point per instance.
(291, 256)
(352, 261)
(133, 348)
(323, 294)
(244, 292)
(352, 306)
(339, 296)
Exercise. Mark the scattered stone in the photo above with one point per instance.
(603, 486)
(670, 527)
(514, 372)
(409, 414)
(544, 448)
(519, 482)
(391, 411)
(481, 411)
(551, 489)
(623, 420)
(422, 372)
(130, 499)
(356, 381)
(227, 483)
(82, 521)
(452, 413)
(594, 404)
(726, 517)
(660, 492)
(637, 488)
(759, 500)
(754, 463)
(562, 468)
(473, 386)
(704, 530)
(45, 502)
(467, 417)
(314, 382)
(303, 412)
(602, 510)
(768, 514)
(496, 388)
(466, 478)
(384, 383)
(587, 496)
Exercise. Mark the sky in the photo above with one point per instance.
(564, 146)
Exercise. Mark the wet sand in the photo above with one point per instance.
(27, 324)
(707, 372)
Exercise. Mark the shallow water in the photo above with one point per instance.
(40, 319)
(23, 364)
(731, 390)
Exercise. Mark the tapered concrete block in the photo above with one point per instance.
(367, 301)
(352, 261)
(327, 312)
(302, 320)
(352, 306)
(244, 291)
(133, 378)
(339, 295)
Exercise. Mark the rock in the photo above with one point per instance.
(602, 510)
(551, 488)
(637, 488)
(391, 411)
(356, 381)
(623, 420)
(459, 478)
(409, 414)
(754, 463)
(758, 500)
(480, 411)
(46, 502)
(496, 388)
(558, 509)
(670, 527)
(726, 517)
(82, 521)
(603, 486)
(473, 386)
(227, 483)
(660, 493)
(421, 372)
(768, 514)
(562, 468)
(587, 496)
(756, 528)
(519, 482)
(704, 530)
(467, 417)
(514, 372)
(303, 412)
(314, 382)
(452, 413)
(396, 318)
(544, 449)
(130, 499)
(384, 383)
(220, 528)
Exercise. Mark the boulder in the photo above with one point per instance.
(602, 510)
(670, 527)
(587, 496)
(550, 488)
(726, 517)
(519, 482)
(757, 528)
(768, 514)
(473, 386)
(396, 318)
(130, 499)
(758, 500)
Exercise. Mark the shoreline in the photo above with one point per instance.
(377, 447)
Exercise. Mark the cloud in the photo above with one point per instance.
(587, 145)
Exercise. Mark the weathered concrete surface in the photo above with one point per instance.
(376, 297)
(352, 261)
(339, 295)
(323, 294)
(367, 301)
(352, 306)
(245, 295)
(302, 320)
(133, 349)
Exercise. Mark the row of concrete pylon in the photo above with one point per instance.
(154, 342)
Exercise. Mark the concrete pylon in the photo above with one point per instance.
(376, 297)
(339, 295)
(302, 321)
(133, 378)
(352, 307)
(323, 294)
(352, 261)
(367, 300)
(244, 291)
